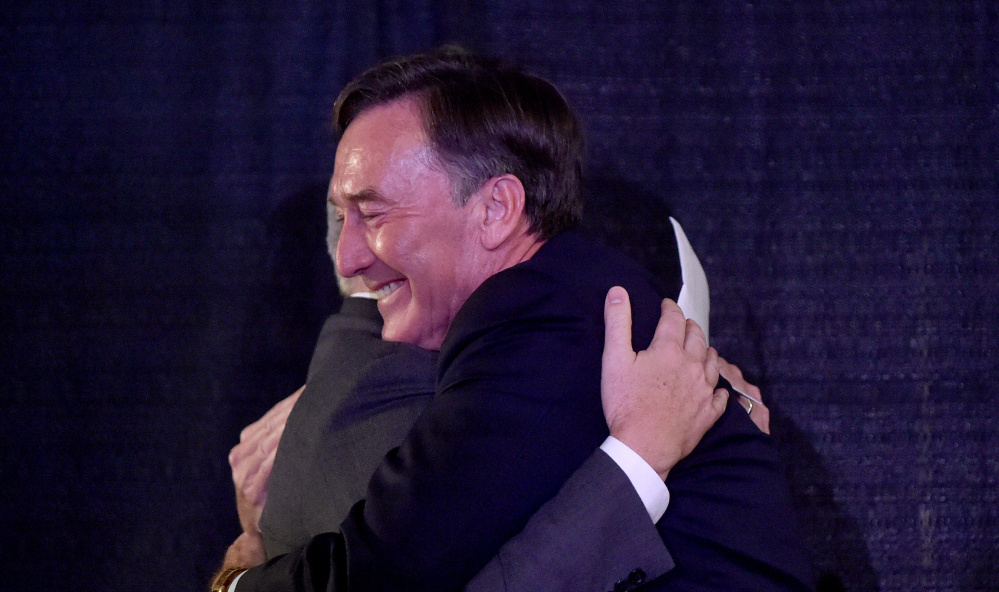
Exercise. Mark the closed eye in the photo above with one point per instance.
(368, 214)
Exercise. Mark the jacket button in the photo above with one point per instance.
(621, 586)
(636, 577)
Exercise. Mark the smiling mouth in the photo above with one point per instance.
(387, 289)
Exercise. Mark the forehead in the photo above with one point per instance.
(385, 144)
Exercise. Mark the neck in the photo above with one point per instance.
(520, 250)
(489, 262)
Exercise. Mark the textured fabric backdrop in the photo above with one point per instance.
(163, 273)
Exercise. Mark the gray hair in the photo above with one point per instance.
(333, 228)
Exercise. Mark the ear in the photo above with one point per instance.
(502, 210)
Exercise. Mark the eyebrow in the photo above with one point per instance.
(362, 196)
(366, 195)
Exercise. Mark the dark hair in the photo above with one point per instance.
(484, 118)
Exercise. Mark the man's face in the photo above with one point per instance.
(401, 231)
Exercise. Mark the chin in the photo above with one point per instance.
(389, 333)
(396, 331)
(392, 332)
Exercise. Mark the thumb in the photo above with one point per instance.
(617, 329)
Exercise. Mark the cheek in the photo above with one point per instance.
(378, 239)
(387, 244)
(416, 251)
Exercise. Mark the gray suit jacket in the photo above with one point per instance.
(594, 535)
(361, 397)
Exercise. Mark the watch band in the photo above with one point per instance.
(222, 581)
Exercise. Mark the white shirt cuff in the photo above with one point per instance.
(232, 586)
(643, 477)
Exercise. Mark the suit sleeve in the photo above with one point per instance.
(590, 537)
(516, 412)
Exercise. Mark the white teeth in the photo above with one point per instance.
(388, 289)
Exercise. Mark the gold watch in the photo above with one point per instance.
(222, 581)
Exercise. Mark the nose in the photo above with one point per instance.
(353, 255)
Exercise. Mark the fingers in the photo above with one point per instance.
(761, 417)
(261, 436)
(660, 401)
(758, 412)
(719, 400)
(711, 370)
(719, 397)
(733, 374)
(251, 460)
(672, 325)
(236, 456)
(752, 399)
(751, 389)
(268, 441)
(694, 341)
(256, 475)
(731, 370)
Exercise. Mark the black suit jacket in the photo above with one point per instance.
(361, 397)
(517, 409)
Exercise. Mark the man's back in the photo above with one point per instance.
(361, 397)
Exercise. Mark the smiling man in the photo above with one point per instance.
(392, 195)
(457, 180)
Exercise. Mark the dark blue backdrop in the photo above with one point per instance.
(163, 274)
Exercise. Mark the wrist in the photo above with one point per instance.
(644, 479)
(658, 457)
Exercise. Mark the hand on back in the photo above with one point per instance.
(660, 401)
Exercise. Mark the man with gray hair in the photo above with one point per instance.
(362, 395)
